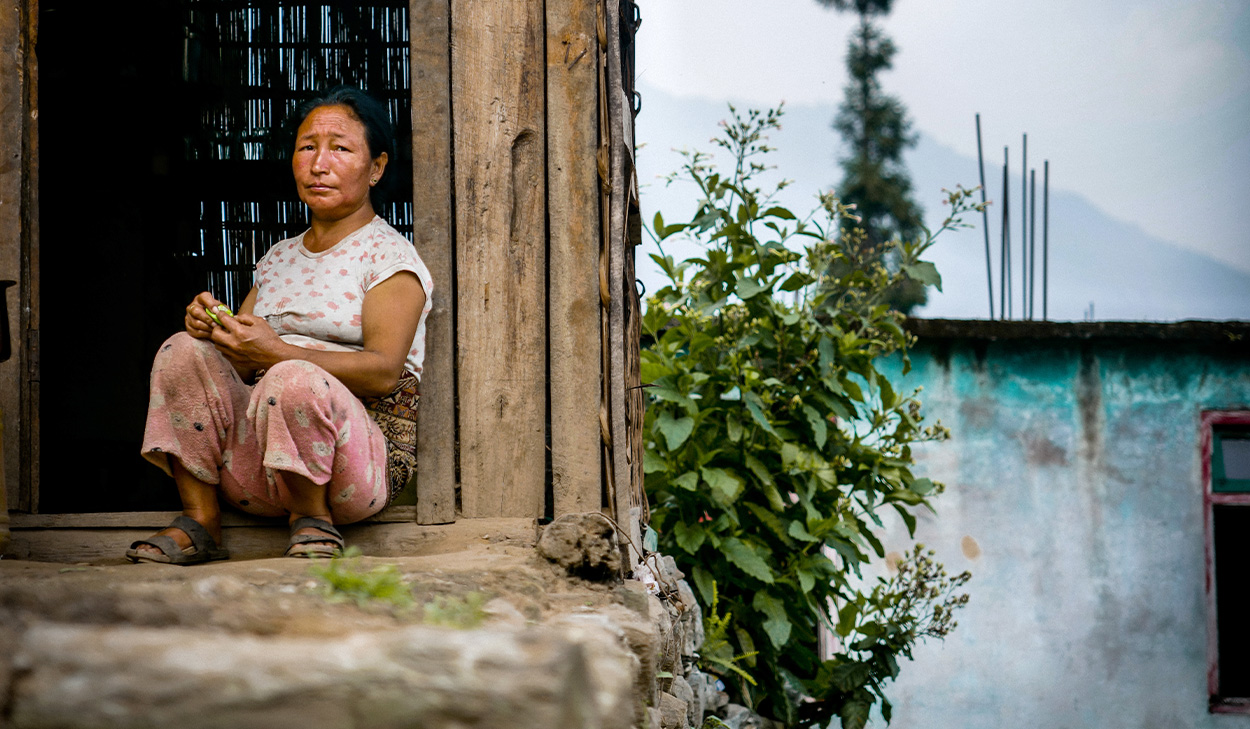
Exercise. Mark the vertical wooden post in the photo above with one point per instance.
(12, 160)
(620, 161)
(429, 33)
(30, 456)
(573, 214)
(605, 289)
(4, 504)
(500, 154)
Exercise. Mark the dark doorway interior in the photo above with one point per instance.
(1232, 603)
(161, 174)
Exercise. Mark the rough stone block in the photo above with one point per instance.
(584, 544)
(633, 595)
(668, 567)
(503, 612)
(740, 717)
(668, 649)
(653, 718)
(672, 712)
(682, 689)
(609, 662)
(641, 640)
(737, 716)
(121, 676)
(707, 692)
(690, 622)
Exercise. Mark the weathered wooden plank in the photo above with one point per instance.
(11, 139)
(605, 293)
(30, 297)
(499, 146)
(429, 29)
(406, 539)
(635, 403)
(573, 268)
(159, 519)
(620, 122)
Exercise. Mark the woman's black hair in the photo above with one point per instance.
(379, 132)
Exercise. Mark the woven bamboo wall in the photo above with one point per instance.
(255, 62)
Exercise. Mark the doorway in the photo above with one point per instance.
(163, 172)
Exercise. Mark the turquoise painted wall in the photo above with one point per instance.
(1074, 496)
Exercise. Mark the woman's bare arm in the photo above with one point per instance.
(389, 316)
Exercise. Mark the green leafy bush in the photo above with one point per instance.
(717, 651)
(773, 439)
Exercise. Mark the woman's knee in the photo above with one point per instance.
(182, 348)
(297, 377)
(184, 363)
(296, 388)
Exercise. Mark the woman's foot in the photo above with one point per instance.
(314, 536)
(181, 538)
(203, 514)
(189, 539)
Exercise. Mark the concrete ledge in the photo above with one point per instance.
(158, 519)
(1235, 334)
(34, 538)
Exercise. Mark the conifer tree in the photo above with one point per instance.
(877, 132)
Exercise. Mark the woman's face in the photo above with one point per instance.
(332, 166)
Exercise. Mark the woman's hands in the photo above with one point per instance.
(247, 341)
(390, 312)
(198, 323)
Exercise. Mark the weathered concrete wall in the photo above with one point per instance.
(1074, 495)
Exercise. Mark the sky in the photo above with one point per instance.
(1141, 107)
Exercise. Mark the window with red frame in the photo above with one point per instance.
(1226, 467)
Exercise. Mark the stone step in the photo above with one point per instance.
(135, 677)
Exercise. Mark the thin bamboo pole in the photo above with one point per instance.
(1045, 234)
(1032, 236)
(1007, 230)
(985, 220)
(1024, 230)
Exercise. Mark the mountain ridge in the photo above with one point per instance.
(1125, 272)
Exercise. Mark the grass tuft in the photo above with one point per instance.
(343, 578)
(455, 612)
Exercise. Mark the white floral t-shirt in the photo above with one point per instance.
(314, 300)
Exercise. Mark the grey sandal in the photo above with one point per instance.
(203, 547)
(327, 544)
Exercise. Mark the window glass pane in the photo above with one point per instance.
(1236, 452)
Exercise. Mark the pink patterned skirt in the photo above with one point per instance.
(244, 438)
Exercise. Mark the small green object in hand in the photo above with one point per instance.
(219, 307)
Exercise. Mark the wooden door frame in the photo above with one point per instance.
(435, 173)
(18, 257)
(19, 260)
(429, 32)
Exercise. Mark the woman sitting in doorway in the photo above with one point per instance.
(302, 404)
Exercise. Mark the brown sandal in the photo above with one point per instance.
(203, 547)
(328, 544)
